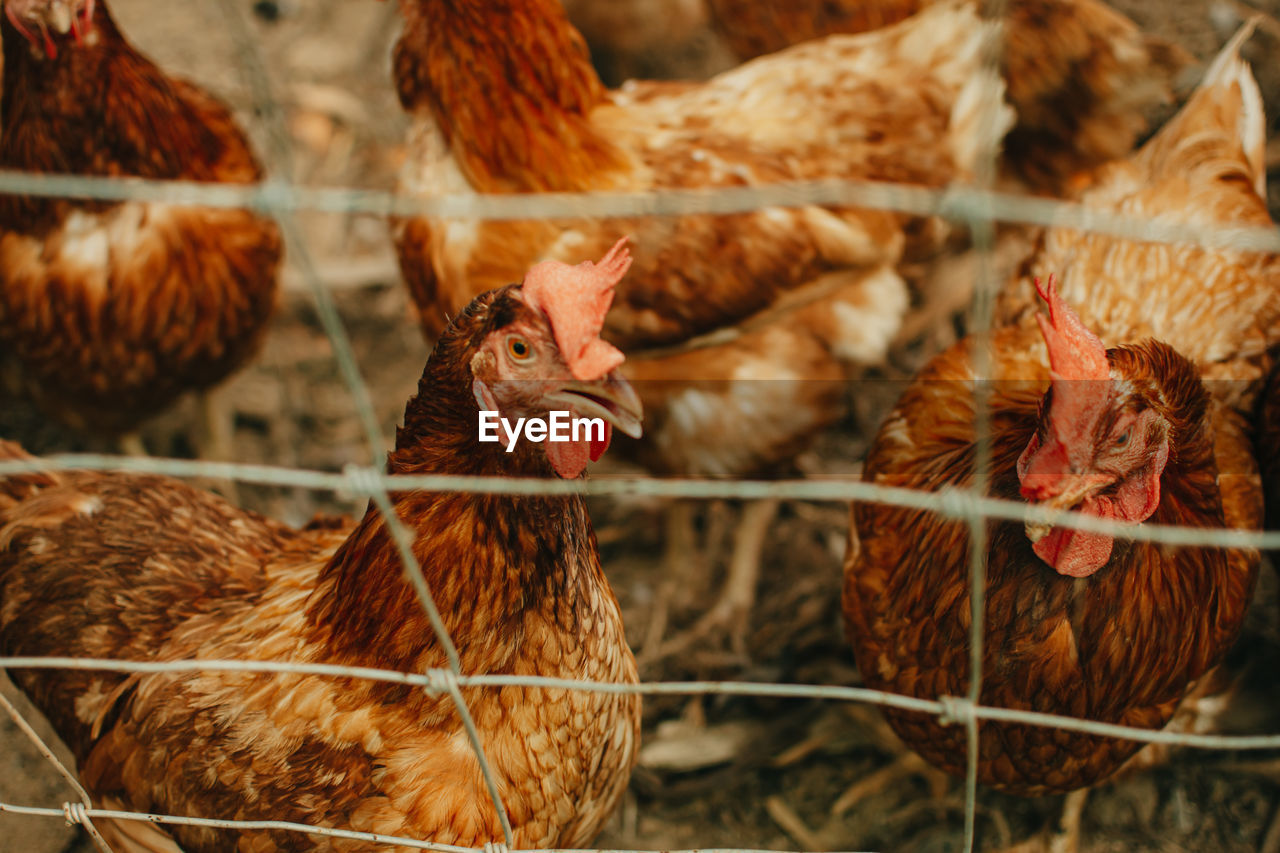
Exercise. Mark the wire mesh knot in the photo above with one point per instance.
(441, 680)
(75, 814)
(495, 847)
(956, 503)
(956, 710)
(363, 481)
(273, 195)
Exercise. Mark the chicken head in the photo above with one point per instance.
(39, 21)
(550, 357)
(1100, 447)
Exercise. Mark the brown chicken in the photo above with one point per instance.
(714, 305)
(1152, 430)
(1081, 76)
(112, 565)
(110, 310)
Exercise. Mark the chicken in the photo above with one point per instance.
(1145, 432)
(109, 310)
(1081, 76)
(113, 565)
(714, 305)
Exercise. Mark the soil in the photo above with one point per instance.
(716, 771)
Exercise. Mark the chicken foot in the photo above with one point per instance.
(732, 610)
(216, 437)
(130, 444)
(905, 765)
(677, 565)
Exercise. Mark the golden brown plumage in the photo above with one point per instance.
(1103, 647)
(110, 310)
(124, 566)
(1122, 630)
(1080, 75)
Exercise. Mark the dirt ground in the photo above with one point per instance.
(716, 771)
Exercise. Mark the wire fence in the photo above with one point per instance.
(976, 206)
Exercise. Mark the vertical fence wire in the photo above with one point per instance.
(982, 230)
(256, 74)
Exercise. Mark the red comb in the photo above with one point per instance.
(575, 300)
(1078, 368)
(1074, 351)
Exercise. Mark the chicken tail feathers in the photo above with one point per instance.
(14, 488)
(1228, 69)
(1221, 131)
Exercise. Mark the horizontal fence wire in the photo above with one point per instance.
(75, 816)
(950, 709)
(364, 482)
(957, 203)
(977, 206)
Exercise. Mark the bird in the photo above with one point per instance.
(140, 567)
(112, 309)
(1081, 76)
(1129, 401)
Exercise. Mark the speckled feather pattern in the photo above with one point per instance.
(1081, 76)
(1217, 307)
(827, 110)
(125, 566)
(112, 309)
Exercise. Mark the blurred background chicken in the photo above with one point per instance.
(110, 310)
(1154, 429)
(1082, 78)
(113, 565)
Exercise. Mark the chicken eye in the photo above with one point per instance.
(1123, 439)
(519, 349)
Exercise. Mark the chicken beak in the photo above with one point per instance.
(611, 398)
(1077, 489)
(60, 18)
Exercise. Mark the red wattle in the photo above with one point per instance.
(599, 446)
(1078, 553)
